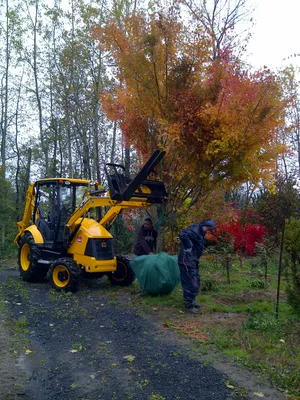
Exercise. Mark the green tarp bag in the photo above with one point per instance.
(157, 273)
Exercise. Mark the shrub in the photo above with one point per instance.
(258, 284)
(291, 244)
(209, 284)
(294, 298)
(261, 322)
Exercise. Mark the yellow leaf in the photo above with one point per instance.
(129, 358)
(230, 386)
(259, 394)
(27, 351)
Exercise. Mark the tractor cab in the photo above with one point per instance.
(55, 201)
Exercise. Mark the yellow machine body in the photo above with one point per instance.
(90, 229)
(36, 234)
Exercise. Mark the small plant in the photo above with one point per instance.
(294, 298)
(254, 262)
(77, 347)
(261, 322)
(258, 284)
(209, 284)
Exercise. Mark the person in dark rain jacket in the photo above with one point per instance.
(146, 240)
(192, 246)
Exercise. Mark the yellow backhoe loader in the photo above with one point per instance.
(60, 233)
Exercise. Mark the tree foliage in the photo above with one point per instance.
(279, 204)
(245, 237)
(216, 121)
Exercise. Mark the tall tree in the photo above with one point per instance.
(80, 74)
(34, 58)
(10, 43)
(216, 121)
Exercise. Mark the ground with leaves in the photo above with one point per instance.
(98, 344)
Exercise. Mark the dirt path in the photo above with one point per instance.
(94, 345)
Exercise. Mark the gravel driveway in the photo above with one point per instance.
(94, 345)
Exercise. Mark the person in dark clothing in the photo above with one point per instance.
(192, 246)
(146, 240)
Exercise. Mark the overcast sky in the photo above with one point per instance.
(276, 35)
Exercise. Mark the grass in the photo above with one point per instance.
(238, 320)
(18, 327)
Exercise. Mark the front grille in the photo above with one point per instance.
(101, 249)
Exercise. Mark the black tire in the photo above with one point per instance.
(124, 275)
(65, 275)
(29, 254)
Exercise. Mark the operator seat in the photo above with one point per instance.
(47, 233)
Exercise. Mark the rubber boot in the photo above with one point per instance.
(191, 310)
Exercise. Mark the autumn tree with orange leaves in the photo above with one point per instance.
(216, 121)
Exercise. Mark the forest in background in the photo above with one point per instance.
(84, 83)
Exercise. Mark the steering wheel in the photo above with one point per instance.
(66, 212)
(69, 211)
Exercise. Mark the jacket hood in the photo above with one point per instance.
(211, 223)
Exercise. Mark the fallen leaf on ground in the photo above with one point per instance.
(230, 386)
(27, 351)
(259, 394)
(129, 358)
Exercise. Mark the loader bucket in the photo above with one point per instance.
(122, 188)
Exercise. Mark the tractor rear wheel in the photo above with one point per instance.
(65, 275)
(29, 254)
(124, 275)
